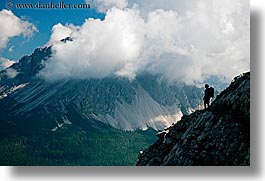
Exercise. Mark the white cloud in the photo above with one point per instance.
(60, 32)
(5, 63)
(144, 5)
(100, 48)
(11, 73)
(209, 37)
(11, 26)
(104, 5)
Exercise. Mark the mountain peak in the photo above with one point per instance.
(66, 39)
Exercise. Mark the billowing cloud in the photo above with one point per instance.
(104, 5)
(60, 32)
(11, 26)
(208, 37)
(144, 6)
(100, 48)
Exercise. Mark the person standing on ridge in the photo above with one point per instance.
(208, 94)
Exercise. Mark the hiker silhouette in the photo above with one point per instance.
(208, 94)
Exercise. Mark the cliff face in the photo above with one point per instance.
(219, 135)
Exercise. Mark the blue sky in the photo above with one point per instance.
(44, 20)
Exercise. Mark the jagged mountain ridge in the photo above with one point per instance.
(219, 135)
(29, 101)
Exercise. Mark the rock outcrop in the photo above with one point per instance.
(219, 135)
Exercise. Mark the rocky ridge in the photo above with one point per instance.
(219, 135)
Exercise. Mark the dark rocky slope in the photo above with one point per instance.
(219, 135)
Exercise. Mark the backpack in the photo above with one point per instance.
(211, 92)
